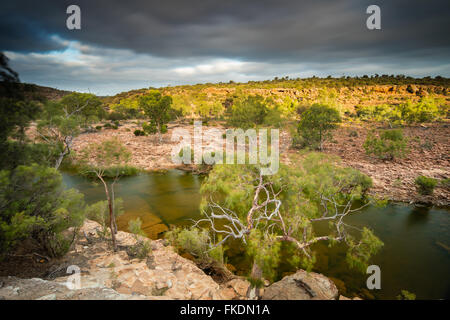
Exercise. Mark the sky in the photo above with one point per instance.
(124, 45)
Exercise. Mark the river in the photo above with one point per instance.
(415, 255)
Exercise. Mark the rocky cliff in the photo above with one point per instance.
(163, 274)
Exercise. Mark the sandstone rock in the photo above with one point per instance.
(240, 286)
(302, 286)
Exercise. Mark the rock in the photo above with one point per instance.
(344, 298)
(302, 286)
(51, 296)
(240, 286)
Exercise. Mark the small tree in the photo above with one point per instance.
(107, 160)
(157, 108)
(316, 125)
(61, 122)
(389, 145)
(248, 112)
(263, 211)
(34, 204)
(142, 247)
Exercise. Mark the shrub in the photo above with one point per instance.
(445, 183)
(98, 128)
(142, 247)
(316, 125)
(138, 133)
(425, 185)
(390, 144)
(248, 112)
(425, 110)
(99, 212)
(36, 205)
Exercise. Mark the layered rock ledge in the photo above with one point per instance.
(163, 274)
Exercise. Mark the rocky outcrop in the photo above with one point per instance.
(302, 286)
(162, 274)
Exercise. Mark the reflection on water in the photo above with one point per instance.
(159, 199)
(416, 240)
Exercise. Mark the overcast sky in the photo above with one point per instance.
(125, 45)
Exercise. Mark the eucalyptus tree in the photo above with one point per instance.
(316, 125)
(63, 120)
(107, 160)
(239, 203)
(158, 109)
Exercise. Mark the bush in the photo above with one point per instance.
(391, 144)
(138, 133)
(99, 212)
(142, 247)
(425, 185)
(98, 128)
(35, 205)
(195, 241)
(426, 110)
(316, 125)
(248, 112)
(151, 128)
(115, 116)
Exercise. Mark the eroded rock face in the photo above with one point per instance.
(163, 274)
(302, 286)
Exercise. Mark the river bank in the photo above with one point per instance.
(393, 180)
(162, 274)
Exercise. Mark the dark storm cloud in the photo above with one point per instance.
(253, 30)
(131, 44)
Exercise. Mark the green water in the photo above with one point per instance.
(415, 255)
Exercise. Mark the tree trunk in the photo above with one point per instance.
(66, 151)
(256, 275)
(113, 198)
(159, 133)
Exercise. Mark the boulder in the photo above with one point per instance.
(302, 286)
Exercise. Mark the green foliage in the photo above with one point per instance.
(264, 249)
(304, 188)
(389, 145)
(99, 212)
(406, 295)
(316, 125)
(359, 252)
(382, 113)
(248, 112)
(15, 113)
(151, 128)
(425, 185)
(158, 109)
(142, 247)
(445, 183)
(35, 205)
(426, 110)
(86, 105)
(62, 121)
(196, 242)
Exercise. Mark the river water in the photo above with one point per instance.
(415, 255)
